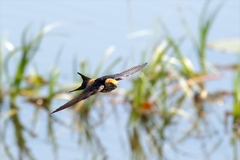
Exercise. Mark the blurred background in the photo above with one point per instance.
(185, 104)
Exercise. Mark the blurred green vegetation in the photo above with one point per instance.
(157, 98)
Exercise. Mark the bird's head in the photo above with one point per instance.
(110, 81)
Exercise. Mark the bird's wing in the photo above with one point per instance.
(128, 72)
(88, 91)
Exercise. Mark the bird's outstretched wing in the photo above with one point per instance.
(88, 91)
(127, 73)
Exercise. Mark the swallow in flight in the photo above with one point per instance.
(103, 84)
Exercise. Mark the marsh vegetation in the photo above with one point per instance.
(167, 104)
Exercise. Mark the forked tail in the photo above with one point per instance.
(84, 83)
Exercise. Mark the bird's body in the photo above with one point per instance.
(103, 84)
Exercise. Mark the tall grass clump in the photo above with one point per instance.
(84, 124)
(171, 92)
(21, 84)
